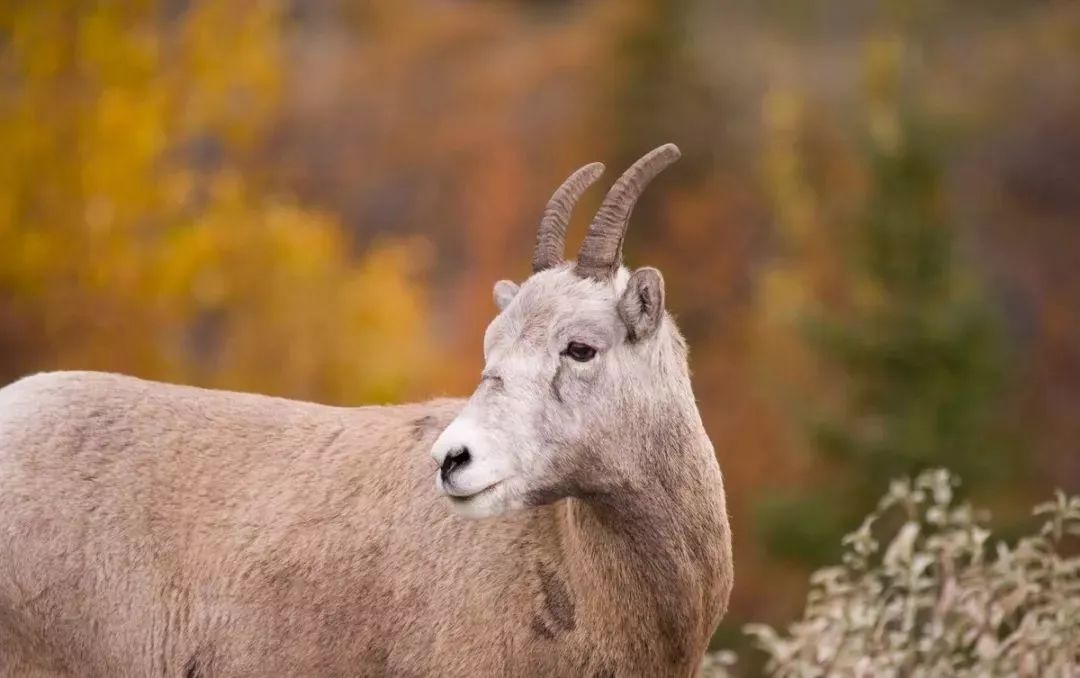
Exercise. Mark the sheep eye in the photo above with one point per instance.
(580, 352)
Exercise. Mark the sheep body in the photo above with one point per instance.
(153, 529)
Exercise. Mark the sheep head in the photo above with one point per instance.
(581, 361)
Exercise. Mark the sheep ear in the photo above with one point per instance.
(504, 293)
(642, 304)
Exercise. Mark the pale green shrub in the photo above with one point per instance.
(938, 599)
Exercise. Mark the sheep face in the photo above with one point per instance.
(575, 370)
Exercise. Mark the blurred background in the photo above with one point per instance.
(872, 242)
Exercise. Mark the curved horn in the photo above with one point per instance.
(601, 252)
(551, 237)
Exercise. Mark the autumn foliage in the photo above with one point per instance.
(870, 242)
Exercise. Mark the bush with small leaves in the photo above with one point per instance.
(937, 599)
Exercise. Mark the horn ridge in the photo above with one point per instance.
(601, 251)
(551, 236)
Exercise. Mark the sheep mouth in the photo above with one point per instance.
(464, 498)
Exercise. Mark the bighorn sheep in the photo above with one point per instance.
(150, 529)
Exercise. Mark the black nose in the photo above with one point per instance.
(456, 458)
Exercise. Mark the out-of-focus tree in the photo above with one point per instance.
(906, 348)
(454, 121)
(135, 234)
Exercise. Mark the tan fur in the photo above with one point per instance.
(149, 529)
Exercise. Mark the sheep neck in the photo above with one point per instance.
(662, 538)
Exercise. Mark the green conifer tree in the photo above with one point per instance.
(915, 347)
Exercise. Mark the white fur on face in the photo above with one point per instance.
(478, 488)
(536, 408)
